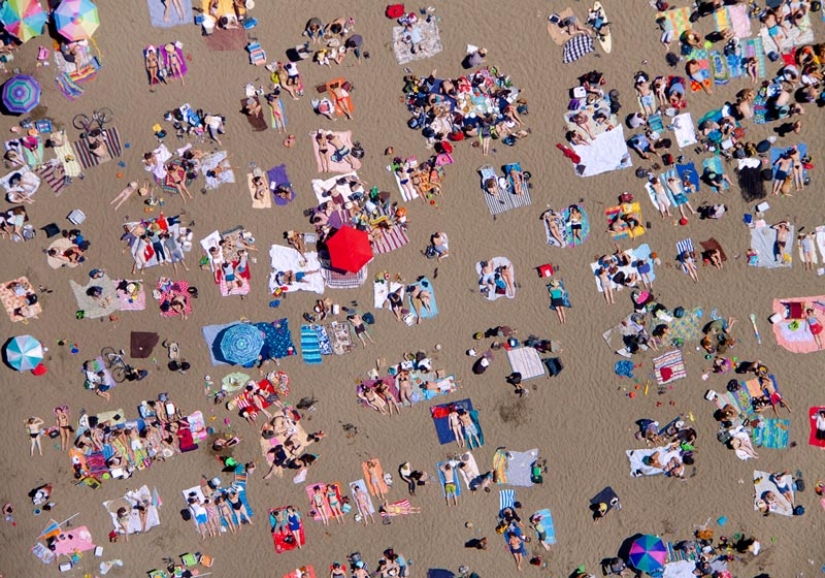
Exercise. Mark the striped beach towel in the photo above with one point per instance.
(85, 156)
(389, 240)
(506, 499)
(676, 20)
(310, 346)
(669, 367)
(684, 246)
(54, 174)
(504, 202)
(336, 280)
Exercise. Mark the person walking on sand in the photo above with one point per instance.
(33, 426)
(450, 488)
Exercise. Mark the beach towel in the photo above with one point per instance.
(558, 34)
(443, 480)
(792, 331)
(545, 518)
(157, 9)
(765, 483)
(429, 46)
(131, 295)
(406, 194)
(164, 57)
(506, 499)
(817, 437)
(54, 173)
(302, 572)
(514, 468)
(738, 20)
(564, 226)
(714, 165)
(615, 215)
(266, 201)
(703, 74)
(505, 200)
(278, 177)
(339, 280)
(607, 152)
(682, 247)
(361, 484)
(324, 344)
(524, 188)
(639, 468)
(777, 152)
(676, 20)
(283, 258)
(106, 304)
(375, 486)
(258, 122)
(346, 100)
(340, 337)
(210, 163)
(135, 525)
(820, 240)
(269, 113)
(772, 433)
(608, 497)
(684, 130)
(440, 413)
(385, 241)
(310, 490)
(768, 253)
(710, 245)
(277, 339)
(84, 154)
(337, 164)
(669, 367)
(415, 305)
(338, 185)
(226, 40)
(381, 290)
(527, 362)
(310, 345)
(752, 47)
(284, 537)
(578, 46)
(65, 154)
(500, 287)
(640, 253)
(719, 67)
(173, 289)
(12, 301)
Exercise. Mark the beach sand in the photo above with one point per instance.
(582, 421)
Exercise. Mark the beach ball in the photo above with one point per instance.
(683, 221)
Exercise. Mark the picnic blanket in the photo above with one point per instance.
(711, 245)
(417, 308)
(278, 177)
(381, 289)
(772, 433)
(174, 289)
(676, 20)
(264, 202)
(514, 468)
(638, 465)
(12, 301)
(340, 337)
(500, 286)
(669, 367)
(283, 258)
(310, 490)
(607, 152)
(336, 163)
(616, 213)
(157, 13)
(54, 173)
(777, 152)
(768, 253)
(210, 163)
(527, 362)
(817, 436)
(429, 46)
(639, 254)
(106, 304)
(284, 537)
(113, 146)
(564, 226)
(131, 294)
(608, 497)
(340, 280)
(765, 484)
(310, 345)
(440, 413)
(577, 47)
(141, 497)
(793, 332)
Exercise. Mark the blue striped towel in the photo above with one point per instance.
(506, 499)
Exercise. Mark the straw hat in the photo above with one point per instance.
(170, 47)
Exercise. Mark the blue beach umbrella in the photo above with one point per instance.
(21, 93)
(648, 554)
(24, 353)
(241, 344)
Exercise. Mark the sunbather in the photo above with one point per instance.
(454, 421)
(334, 502)
(603, 274)
(383, 391)
(360, 328)
(372, 399)
(362, 504)
(318, 503)
(167, 7)
(450, 488)
(375, 480)
(401, 508)
(470, 428)
(421, 296)
(557, 300)
(551, 219)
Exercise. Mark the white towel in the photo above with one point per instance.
(321, 186)
(607, 152)
(288, 259)
(381, 291)
(683, 130)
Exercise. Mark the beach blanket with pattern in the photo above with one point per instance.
(320, 496)
(735, 18)
(429, 46)
(772, 433)
(514, 468)
(113, 147)
(768, 253)
(669, 367)
(640, 254)
(172, 289)
(569, 236)
(577, 47)
(54, 174)
(12, 301)
(385, 241)
(93, 308)
(615, 216)
(676, 20)
(774, 490)
(793, 331)
(131, 294)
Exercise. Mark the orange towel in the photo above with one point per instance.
(373, 486)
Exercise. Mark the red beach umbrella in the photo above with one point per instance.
(349, 249)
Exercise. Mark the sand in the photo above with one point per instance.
(582, 421)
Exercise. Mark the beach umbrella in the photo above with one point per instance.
(648, 554)
(21, 93)
(241, 344)
(24, 352)
(349, 249)
(23, 19)
(76, 19)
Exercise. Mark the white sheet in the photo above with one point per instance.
(288, 259)
(162, 155)
(381, 291)
(683, 130)
(637, 466)
(210, 162)
(680, 569)
(320, 186)
(608, 152)
(134, 526)
(213, 239)
(762, 483)
(526, 361)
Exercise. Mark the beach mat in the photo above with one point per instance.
(443, 480)
(362, 485)
(263, 203)
(712, 244)
(387, 241)
(527, 362)
(339, 111)
(669, 367)
(792, 331)
(496, 262)
(310, 346)
(562, 220)
(772, 433)
(278, 176)
(135, 301)
(607, 496)
(813, 439)
(439, 414)
(426, 284)
(54, 174)
(764, 482)
(283, 538)
(11, 301)
(546, 520)
(257, 122)
(339, 280)
(157, 8)
(763, 241)
(310, 491)
(85, 156)
(577, 47)
(107, 304)
(226, 40)
(336, 166)
(506, 201)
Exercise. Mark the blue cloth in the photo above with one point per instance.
(624, 368)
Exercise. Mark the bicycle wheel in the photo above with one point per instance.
(108, 354)
(81, 122)
(104, 115)
(119, 373)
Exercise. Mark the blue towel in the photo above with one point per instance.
(689, 170)
(442, 424)
(425, 283)
(606, 496)
(547, 523)
(624, 368)
(310, 346)
(714, 165)
(506, 499)
(323, 340)
(157, 8)
(456, 477)
(776, 152)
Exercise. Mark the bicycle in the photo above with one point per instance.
(101, 117)
(116, 364)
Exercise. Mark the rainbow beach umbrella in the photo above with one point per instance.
(23, 19)
(21, 93)
(24, 352)
(648, 554)
(76, 19)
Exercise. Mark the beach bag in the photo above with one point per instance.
(575, 104)
(395, 11)
(667, 159)
(679, 312)
(368, 318)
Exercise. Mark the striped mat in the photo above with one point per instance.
(85, 156)
(54, 174)
(310, 345)
(669, 367)
(506, 499)
(336, 280)
(506, 202)
(389, 240)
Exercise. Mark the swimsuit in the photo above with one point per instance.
(450, 488)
